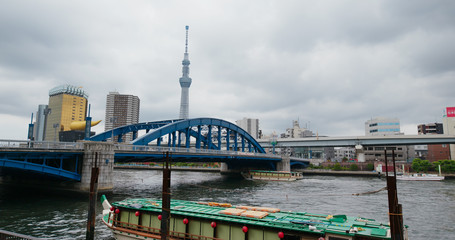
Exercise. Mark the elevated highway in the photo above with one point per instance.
(360, 140)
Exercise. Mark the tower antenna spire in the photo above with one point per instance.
(186, 40)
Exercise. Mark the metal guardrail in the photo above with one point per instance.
(126, 147)
(40, 145)
(4, 235)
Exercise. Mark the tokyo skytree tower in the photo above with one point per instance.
(185, 82)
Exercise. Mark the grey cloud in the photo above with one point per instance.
(334, 64)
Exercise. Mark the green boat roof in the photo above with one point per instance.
(295, 221)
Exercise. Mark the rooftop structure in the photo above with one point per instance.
(68, 89)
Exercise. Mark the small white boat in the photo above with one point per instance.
(421, 177)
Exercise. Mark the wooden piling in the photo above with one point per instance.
(90, 235)
(395, 210)
(166, 199)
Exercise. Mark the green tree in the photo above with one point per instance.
(353, 167)
(337, 167)
(370, 167)
(447, 166)
(420, 165)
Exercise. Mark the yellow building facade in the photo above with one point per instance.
(67, 104)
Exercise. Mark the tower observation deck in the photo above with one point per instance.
(185, 82)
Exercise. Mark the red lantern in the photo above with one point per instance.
(160, 217)
(213, 224)
(281, 235)
(112, 208)
(245, 229)
(185, 221)
(117, 211)
(137, 213)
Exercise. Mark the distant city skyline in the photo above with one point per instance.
(334, 64)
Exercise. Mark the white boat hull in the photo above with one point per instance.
(420, 178)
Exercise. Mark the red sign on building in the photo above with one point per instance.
(450, 111)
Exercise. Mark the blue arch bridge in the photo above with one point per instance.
(192, 140)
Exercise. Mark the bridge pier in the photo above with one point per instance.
(284, 165)
(100, 154)
(225, 170)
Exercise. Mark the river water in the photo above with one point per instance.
(428, 207)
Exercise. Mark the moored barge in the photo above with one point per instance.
(141, 219)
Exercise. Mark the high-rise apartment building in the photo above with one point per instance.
(448, 122)
(121, 110)
(66, 104)
(250, 125)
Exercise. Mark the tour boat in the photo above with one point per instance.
(141, 219)
(272, 175)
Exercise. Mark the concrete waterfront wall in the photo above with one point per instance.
(100, 154)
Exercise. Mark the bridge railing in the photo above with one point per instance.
(125, 147)
(40, 144)
(24, 144)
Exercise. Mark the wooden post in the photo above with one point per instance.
(395, 212)
(166, 200)
(92, 201)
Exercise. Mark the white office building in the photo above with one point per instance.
(382, 126)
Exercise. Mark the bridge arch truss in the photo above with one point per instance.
(205, 133)
(120, 132)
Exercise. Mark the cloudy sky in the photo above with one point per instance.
(330, 64)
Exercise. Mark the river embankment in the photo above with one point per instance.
(308, 172)
(324, 172)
